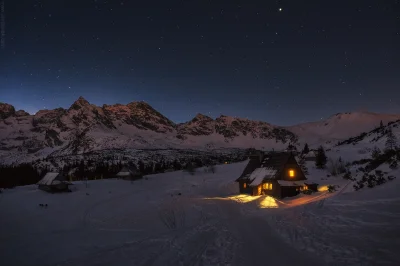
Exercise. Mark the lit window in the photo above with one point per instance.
(267, 186)
(291, 173)
(244, 185)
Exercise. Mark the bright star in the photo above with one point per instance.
(280, 9)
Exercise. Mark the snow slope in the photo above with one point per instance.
(123, 223)
(179, 219)
(356, 228)
(340, 126)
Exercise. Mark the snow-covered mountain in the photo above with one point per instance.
(340, 126)
(85, 127)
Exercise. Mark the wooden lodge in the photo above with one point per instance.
(54, 182)
(274, 173)
(129, 173)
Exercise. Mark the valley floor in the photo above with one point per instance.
(179, 219)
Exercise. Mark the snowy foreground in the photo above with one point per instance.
(179, 219)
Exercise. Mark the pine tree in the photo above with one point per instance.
(302, 164)
(141, 166)
(291, 147)
(381, 124)
(305, 149)
(391, 141)
(81, 169)
(190, 168)
(341, 166)
(177, 165)
(320, 159)
(376, 152)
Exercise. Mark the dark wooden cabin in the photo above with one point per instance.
(129, 173)
(274, 173)
(54, 182)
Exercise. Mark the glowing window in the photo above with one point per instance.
(291, 173)
(244, 185)
(267, 186)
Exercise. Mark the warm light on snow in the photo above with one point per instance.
(323, 188)
(244, 198)
(268, 202)
(239, 198)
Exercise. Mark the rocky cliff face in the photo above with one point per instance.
(232, 127)
(85, 127)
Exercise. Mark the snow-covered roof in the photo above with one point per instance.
(310, 183)
(124, 173)
(48, 179)
(270, 174)
(290, 183)
(272, 163)
(260, 173)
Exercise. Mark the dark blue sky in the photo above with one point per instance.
(241, 58)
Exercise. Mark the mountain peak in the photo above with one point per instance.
(82, 101)
(143, 106)
(139, 104)
(78, 104)
(201, 117)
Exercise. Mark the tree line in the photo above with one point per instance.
(23, 174)
(31, 173)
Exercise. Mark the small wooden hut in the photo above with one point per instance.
(54, 182)
(129, 173)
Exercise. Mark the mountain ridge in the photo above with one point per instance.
(81, 101)
(85, 127)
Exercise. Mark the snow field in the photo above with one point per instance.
(147, 222)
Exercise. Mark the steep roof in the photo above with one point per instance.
(124, 172)
(48, 179)
(270, 167)
(260, 174)
(52, 179)
(276, 160)
(127, 171)
(252, 165)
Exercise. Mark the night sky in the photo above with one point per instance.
(283, 62)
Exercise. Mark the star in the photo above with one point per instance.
(280, 9)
